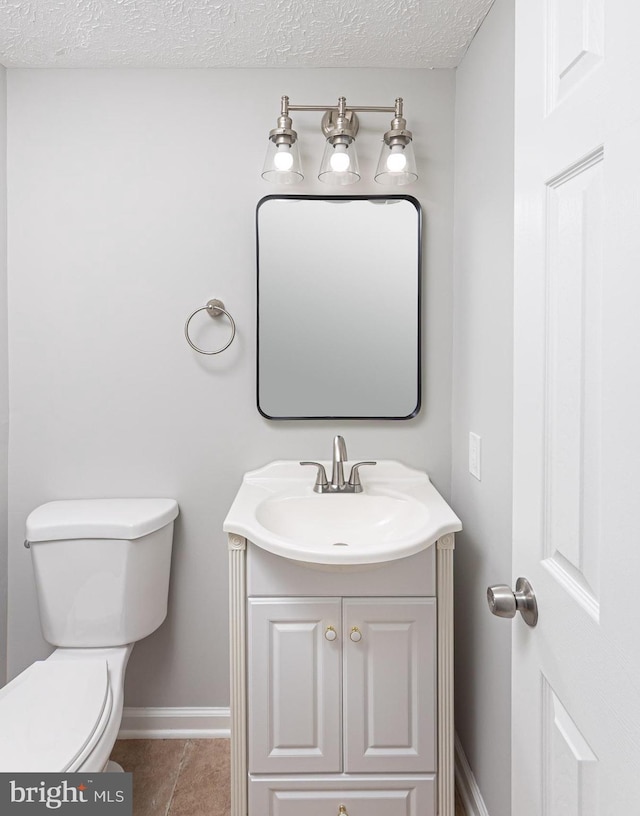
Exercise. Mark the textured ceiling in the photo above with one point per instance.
(237, 33)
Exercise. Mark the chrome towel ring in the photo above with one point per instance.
(214, 308)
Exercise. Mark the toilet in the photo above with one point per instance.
(102, 579)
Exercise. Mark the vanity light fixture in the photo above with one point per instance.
(396, 166)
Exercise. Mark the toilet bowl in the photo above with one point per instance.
(102, 575)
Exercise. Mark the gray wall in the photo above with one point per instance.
(482, 396)
(131, 204)
(4, 387)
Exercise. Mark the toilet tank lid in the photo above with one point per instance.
(99, 518)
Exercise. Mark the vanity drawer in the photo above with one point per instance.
(359, 795)
(271, 575)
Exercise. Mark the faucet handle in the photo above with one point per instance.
(322, 482)
(354, 476)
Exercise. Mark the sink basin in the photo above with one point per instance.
(350, 520)
(398, 514)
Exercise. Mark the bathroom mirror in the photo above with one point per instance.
(338, 307)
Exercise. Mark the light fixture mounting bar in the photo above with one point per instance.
(342, 106)
(356, 108)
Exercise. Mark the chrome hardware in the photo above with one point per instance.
(354, 477)
(340, 122)
(322, 483)
(27, 545)
(214, 308)
(355, 634)
(339, 458)
(504, 603)
(330, 633)
(338, 484)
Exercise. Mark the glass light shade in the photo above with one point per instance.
(397, 165)
(339, 164)
(282, 164)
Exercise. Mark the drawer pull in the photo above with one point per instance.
(330, 633)
(355, 635)
(342, 811)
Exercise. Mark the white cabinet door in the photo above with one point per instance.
(294, 685)
(389, 684)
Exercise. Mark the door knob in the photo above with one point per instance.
(355, 634)
(330, 633)
(504, 603)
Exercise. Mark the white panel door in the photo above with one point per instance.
(389, 684)
(294, 685)
(576, 675)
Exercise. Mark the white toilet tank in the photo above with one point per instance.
(101, 568)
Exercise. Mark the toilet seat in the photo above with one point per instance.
(53, 714)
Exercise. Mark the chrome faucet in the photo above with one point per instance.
(338, 484)
(337, 470)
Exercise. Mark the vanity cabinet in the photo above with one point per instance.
(341, 686)
(341, 641)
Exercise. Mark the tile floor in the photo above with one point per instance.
(182, 777)
(177, 777)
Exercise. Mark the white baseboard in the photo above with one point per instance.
(467, 786)
(175, 723)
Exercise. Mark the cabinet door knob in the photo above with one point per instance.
(355, 635)
(342, 811)
(330, 633)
